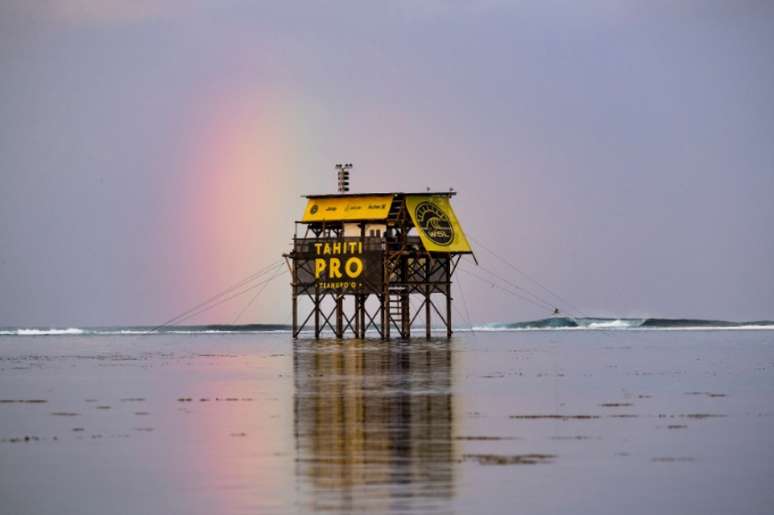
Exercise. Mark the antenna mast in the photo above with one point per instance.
(343, 173)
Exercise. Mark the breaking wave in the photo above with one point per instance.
(624, 324)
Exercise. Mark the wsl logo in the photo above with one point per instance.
(434, 223)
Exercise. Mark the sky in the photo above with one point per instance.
(154, 153)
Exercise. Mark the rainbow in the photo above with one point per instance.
(239, 188)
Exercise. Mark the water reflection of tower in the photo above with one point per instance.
(373, 424)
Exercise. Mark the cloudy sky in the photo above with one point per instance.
(152, 153)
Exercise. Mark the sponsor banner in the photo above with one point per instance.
(367, 207)
(437, 224)
(343, 266)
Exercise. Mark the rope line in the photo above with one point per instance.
(242, 312)
(235, 295)
(467, 312)
(506, 290)
(530, 278)
(252, 277)
(515, 286)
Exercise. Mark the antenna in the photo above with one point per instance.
(343, 173)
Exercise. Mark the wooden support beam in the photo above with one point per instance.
(405, 316)
(316, 314)
(362, 318)
(387, 267)
(339, 316)
(294, 303)
(356, 298)
(294, 294)
(448, 300)
(386, 316)
(428, 290)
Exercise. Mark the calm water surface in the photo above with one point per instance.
(541, 422)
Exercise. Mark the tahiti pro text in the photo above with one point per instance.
(338, 259)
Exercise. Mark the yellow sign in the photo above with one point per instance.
(369, 207)
(437, 224)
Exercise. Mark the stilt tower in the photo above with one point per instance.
(374, 261)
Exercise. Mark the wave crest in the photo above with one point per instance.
(592, 323)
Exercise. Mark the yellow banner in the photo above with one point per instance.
(370, 207)
(437, 224)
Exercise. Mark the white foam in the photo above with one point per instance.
(710, 328)
(631, 326)
(47, 332)
(756, 326)
(505, 329)
(613, 324)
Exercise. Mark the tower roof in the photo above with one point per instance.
(393, 194)
(430, 213)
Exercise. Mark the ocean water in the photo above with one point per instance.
(591, 419)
